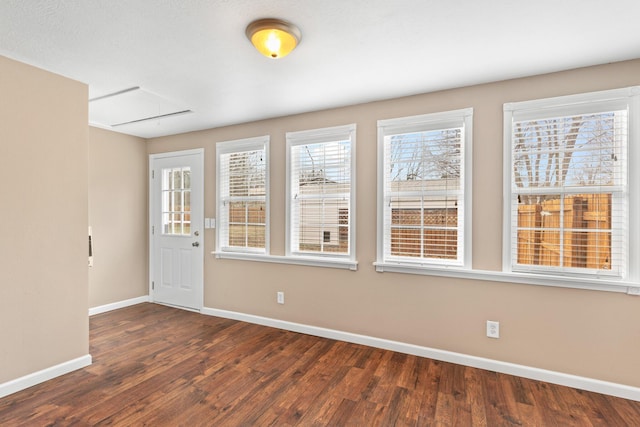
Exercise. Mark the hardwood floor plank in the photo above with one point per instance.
(603, 413)
(497, 408)
(509, 398)
(628, 411)
(160, 366)
(327, 400)
(430, 396)
(311, 380)
(475, 397)
(396, 411)
(366, 413)
(418, 388)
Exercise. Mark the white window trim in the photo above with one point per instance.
(290, 260)
(605, 284)
(239, 145)
(432, 121)
(322, 260)
(626, 97)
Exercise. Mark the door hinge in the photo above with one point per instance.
(153, 285)
(153, 174)
(153, 229)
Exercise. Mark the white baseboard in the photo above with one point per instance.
(38, 377)
(117, 305)
(583, 383)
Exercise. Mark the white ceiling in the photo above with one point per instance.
(193, 54)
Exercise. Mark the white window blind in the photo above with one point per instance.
(321, 192)
(424, 197)
(569, 197)
(242, 195)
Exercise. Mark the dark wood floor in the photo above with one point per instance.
(159, 366)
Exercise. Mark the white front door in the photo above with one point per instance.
(177, 239)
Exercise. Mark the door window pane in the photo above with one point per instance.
(176, 201)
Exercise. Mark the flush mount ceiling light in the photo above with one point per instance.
(273, 38)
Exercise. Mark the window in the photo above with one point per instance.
(242, 177)
(321, 192)
(424, 195)
(569, 193)
(176, 201)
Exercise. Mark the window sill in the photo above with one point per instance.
(308, 261)
(630, 288)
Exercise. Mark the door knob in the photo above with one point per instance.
(195, 244)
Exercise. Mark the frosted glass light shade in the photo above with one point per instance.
(272, 37)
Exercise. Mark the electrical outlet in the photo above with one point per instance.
(493, 329)
(280, 297)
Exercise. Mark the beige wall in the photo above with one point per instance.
(118, 217)
(581, 332)
(43, 200)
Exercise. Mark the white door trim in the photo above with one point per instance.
(152, 158)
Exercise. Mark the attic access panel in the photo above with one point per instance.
(131, 105)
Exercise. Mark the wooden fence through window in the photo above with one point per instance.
(585, 241)
(432, 234)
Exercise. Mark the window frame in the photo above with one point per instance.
(574, 105)
(315, 136)
(239, 146)
(462, 118)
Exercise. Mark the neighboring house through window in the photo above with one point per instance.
(424, 194)
(321, 193)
